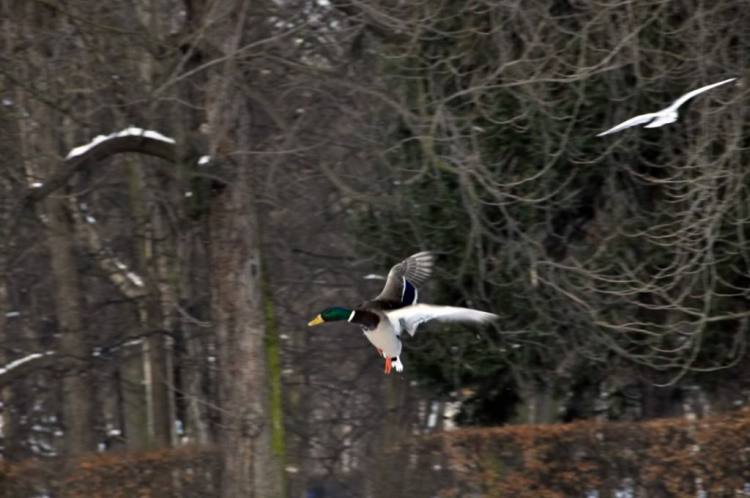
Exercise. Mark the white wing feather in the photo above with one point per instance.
(643, 118)
(664, 112)
(677, 103)
(410, 317)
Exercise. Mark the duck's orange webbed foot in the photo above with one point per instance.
(388, 365)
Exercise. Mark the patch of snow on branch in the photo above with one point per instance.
(37, 185)
(135, 279)
(12, 314)
(204, 159)
(15, 364)
(127, 132)
(40, 447)
(132, 276)
(128, 344)
(373, 276)
(432, 419)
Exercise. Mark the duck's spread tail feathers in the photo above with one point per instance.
(410, 317)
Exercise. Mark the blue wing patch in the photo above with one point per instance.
(409, 293)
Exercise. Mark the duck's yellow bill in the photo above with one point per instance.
(316, 321)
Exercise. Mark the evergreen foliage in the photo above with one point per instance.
(600, 255)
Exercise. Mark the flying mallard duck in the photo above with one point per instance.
(396, 309)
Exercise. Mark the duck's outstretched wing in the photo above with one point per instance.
(677, 103)
(410, 317)
(643, 118)
(403, 279)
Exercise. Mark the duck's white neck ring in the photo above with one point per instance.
(351, 316)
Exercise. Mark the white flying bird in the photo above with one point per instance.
(665, 116)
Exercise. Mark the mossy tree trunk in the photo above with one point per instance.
(278, 446)
(250, 422)
(237, 305)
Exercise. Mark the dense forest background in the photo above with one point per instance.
(264, 160)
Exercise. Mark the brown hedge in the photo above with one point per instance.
(662, 458)
(659, 459)
(184, 472)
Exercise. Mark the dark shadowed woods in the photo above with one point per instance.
(185, 184)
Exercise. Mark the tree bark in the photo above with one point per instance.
(237, 300)
(237, 305)
(9, 149)
(389, 460)
(6, 391)
(156, 347)
(134, 407)
(276, 458)
(78, 414)
(77, 384)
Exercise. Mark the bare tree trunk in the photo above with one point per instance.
(156, 349)
(77, 384)
(6, 395)
(9, 151)
(196, 406)
(132, 386)
(390, 461)
(165, 298)
(157, 374)
(157, 346)
(198, 351)
(276, 457)
(299, 403)
(78, 414)
(237, 300)
(239, 323)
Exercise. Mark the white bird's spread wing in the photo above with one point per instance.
(643, 118)
(410, 317)
(677, 103)
(664, 112)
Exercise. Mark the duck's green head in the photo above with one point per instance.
(331, 315)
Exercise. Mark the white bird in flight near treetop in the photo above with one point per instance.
(665, 116)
